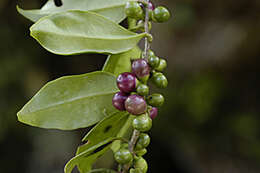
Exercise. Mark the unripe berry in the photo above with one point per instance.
(142, 90)
(140, 68)
(119, 100)
(137, 170)
(142, 123)
(151, 53)
(161, 14)
(135, 105)
(153, 61)
(160, 80)
(141, 152)
(134, 10)
(143, 141)
(141, 164)
(162, 65)
(123, 156)
(126, 82)
(155, 100)
(153, 112)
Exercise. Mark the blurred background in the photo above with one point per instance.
(210, 122)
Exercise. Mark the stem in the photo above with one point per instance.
(146, 29)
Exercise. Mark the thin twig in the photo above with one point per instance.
(146, 29)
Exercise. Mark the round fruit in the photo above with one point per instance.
(119, 100)
(153, 112)
(162, 65)
(135, 105)
(126, 82)
(141, 152)
(134, 10)
(123, 156)
(151, 53)
(142, 123)
(142, 90)
(141, 164)
(160, 80)
(140, 68)
(155, 100)
(153, 61)
(143, 141)
(161, 14)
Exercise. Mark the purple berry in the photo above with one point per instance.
(126, 82)
(140, 68)
(119, 100)
(153, 112)
(135, 105)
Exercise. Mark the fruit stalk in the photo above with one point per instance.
(146, 29)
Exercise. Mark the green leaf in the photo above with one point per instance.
(112, 9)
(102, 171)
(71, 102)
(75, 32)
(120, 63)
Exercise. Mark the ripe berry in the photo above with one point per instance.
(134, 10)
(141, 152)
(119, 100)
(135, 105)
(153, 61)
(161, 14)
(155, 100)
(159, 80)
(143, 141)
(162, 65)
(140, 68)
(126, 82)
(123, 156)
(153, 112)
(142, 90)
(142, 123)
(140, 163)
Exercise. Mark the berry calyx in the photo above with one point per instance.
(160, 80)
(143, 141)
(142, 123)
(142, 90)
(126, 82)
(162, 65)
(123, 156)
(134, 10)
(135, 105)
(153, 61)
(153, 112)
(119, 100)
(140, 68)
(155, 100)
(161, 14)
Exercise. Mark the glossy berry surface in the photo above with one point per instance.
(119, 100)
(142, 90)
(134, 10)
(123, 156)
(126, 82)
(153, 112)
(141, 152)
(141, 163)
(162, 65)
(142, 123)
(140, 68)
(143, 141)
(155, 100)
(154, 61)
(160, 80)
(161, 14)
(135, 105)
(151, 53)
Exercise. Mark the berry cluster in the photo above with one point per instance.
(134, 96)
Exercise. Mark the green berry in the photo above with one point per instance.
(134, 10)
(142, 123)
(141, 164)
(123, 156)
(141, 152)
(143, 141)
(161, 14)
(155, 100)
(151, 53)
(153, 61)
(137, 170)
(142, 90)
(162, 65)
(159, 80)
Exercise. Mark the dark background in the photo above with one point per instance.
(210, 121)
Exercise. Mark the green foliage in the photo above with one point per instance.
(102, 171)
(75, 32)
(71, 102)
(112, 9)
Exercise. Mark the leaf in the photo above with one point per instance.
(119, 63)
(71, 102)
(107, 128)
(75, 32)
(102, 171)
(112, 9)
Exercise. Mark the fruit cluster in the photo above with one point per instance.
(134, 95)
